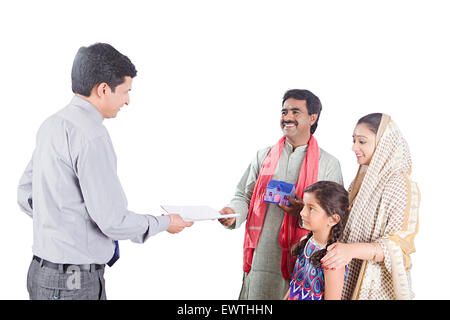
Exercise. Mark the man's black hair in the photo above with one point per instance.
(99, 63)
(313, 103)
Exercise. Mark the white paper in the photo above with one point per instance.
(196, 213)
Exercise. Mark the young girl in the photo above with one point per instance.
(324, 214)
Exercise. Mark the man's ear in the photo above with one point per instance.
(102, 89)
(313, 118)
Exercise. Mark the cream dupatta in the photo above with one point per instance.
(385, 207)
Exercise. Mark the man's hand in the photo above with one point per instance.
(177, 224)
(295, 208)
(228, 221)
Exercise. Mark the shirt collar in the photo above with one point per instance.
(88, 107)
(290, 147)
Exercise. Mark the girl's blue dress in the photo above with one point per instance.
(307, 281)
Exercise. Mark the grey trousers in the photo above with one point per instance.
(45, 283)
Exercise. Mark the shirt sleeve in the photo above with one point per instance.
(105, 199)
(240, 203)
(25, 190)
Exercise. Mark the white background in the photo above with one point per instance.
(211, 76)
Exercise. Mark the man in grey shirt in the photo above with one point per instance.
(300, 113)
(71, 190)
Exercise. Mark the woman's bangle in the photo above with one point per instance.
(375, 252)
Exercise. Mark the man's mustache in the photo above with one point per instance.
(289, 122)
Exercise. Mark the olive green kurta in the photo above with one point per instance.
(265, 280)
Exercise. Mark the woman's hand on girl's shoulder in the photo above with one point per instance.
(338, 256)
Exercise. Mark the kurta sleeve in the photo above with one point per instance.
(240, 203)
(25, 190)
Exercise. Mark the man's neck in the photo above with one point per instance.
(300, 141)
(91, 101)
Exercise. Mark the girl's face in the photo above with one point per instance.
(314, 217)
(363, 143)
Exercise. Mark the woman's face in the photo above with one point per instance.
(364, 143)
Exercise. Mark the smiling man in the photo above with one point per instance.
(271, 230)
(71, 190)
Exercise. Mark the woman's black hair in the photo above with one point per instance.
(333, 199)
(372, 120)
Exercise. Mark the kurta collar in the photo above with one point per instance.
(299, 149)
(88, 107)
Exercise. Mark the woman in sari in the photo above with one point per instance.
(379, 235)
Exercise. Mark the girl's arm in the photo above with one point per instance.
(340, 254)
(286, 296)
(334, 282)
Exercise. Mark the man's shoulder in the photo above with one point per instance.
(51, 123)
(258, 159)
(71, 123)
(263, 152)
(326, 156)
(80, 122)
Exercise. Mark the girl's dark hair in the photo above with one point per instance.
(372, 120)
(333, 199)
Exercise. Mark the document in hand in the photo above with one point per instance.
(196, 213)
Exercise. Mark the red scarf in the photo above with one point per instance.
(290, 232)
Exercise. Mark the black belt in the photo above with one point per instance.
(64, 267)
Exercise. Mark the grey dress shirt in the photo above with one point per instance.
(71, 190)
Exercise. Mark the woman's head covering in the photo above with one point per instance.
(391, 155)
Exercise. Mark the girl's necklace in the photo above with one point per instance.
(314, 243)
